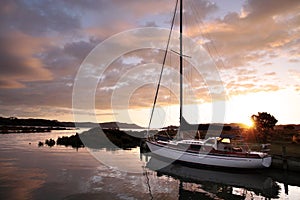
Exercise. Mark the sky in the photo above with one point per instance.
(253, 45)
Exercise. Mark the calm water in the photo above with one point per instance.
(31, 172)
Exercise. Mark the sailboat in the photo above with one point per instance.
(211, 151)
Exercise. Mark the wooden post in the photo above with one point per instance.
(284, 160)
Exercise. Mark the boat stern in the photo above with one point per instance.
(267, 161)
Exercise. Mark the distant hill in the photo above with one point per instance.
(13, 121)
(116, 125)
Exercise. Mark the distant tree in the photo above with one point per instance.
(227, 128)
(263, 123)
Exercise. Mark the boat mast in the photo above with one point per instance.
(181, 66)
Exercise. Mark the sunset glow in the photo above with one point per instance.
(43, 46)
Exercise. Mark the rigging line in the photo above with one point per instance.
(194, 23)
(163, 65)
(187, 64)
(168, 113)
(198, 21)
(212, 42)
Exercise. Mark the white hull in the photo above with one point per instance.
(207, 159)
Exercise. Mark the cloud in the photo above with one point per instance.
(294, 60)
(27, 31)
(198, 10)
(80, 49)
(41, 111)
(268, 27)
(295, 74)
(241, 89)
(249, 43)
(270, 74)
(9, 84)
(64, 61)
(36, 18)
(260, 10)
(18, 61)
(31, 33)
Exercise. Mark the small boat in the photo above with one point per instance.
(212, 151)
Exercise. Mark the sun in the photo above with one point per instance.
(249, 123)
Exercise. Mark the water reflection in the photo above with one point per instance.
(32, 172)
(210, 184)
(18, 183)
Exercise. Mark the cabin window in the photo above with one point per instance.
(225, 140)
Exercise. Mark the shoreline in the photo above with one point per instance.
(30, 129)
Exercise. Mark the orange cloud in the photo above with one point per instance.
(20, 63)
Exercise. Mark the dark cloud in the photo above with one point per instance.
(18, 62)
(151, 24)
(35, 94)
(37, 17)
(25, 30)
(10, 62)
(81, 49)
